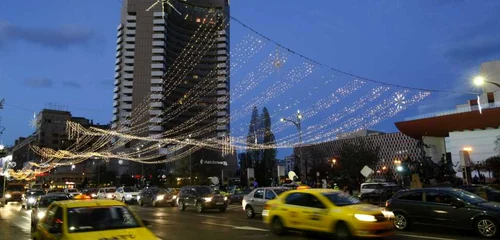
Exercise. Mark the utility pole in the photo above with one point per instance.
(298, 124)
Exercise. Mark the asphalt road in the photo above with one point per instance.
(172, 224)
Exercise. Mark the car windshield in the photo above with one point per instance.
(128, 189)
(35, 193)
(46, 201)
(468, 196)
(111, 190)
(204, 190)
(16, 188)
(340, 199)
(100, 219)
(72, 190)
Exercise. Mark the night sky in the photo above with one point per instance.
(63, 52)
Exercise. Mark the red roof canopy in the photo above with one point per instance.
(441, 126)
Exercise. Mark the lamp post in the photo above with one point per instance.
(190, 162)
(480, 81)
(297, 124)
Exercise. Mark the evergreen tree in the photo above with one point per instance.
(269, 154)
(253, 138)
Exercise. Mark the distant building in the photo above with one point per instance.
(289, 164)
(393, 146)
(51, 133)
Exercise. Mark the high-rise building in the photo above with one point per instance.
(172, 70)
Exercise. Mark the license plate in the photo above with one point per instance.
(219, 203)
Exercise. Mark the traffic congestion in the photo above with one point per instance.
(293, 211)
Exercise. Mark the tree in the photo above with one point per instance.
(497, 145)
(1, 107)
(269, 153)
(354, 155)
(127, 180)
(103, 176)
(252, 138)
(493, 164)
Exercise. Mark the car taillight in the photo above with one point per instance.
(267, 206)
(387, 203)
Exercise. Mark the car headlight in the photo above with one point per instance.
(138, 197)
(128, 196)
(174, 197)
(93, 195)
(31, 200)
(365, 217)
(40, 215)
(207, 199)
(8, 195)
(225, 198)
(160, 197)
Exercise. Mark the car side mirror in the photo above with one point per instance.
(55, 229)
(458, 204)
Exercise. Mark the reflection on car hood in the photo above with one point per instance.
(131, 193)
(129, 233)
(364, 209)
(492, 206)
(211, 195)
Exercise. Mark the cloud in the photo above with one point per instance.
(71, 84)
(477, 44)
(38, 83)
(56, 38)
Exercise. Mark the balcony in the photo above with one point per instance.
(128, 61)
(131, 25)
(128, 69)
(117, 75)
(130, 39)
(115, 110)
(119, 33)
(156, 104)
(120, 27)
(126, 106)
(220, 59)
(157, 73)
(156, 120)
(158, 43)
(118, 54)
(131, 18)
(116, 103)
(156, 128)
(127, 99)
(127, 90)
(154, 112)
(156, 81)
(159, 29)
(222, 128)
(115, 118)
(129, 54)
(222, 92)
(116, 89)
(455, 111)
(117, 68)
(157, 66)
(222, 114)
(117, 82)
(130, 32)
(118, 47)
(156, 89)
(159, 50)
(128, 76)
(127, 83)
(158, 14)
(159, 21)
(118, 61)
(159, 36)
(116, 96)
(156, 96)
(129, 47)
(222, 45)
(221, 52)
(119, 40)
(158, 58)
(222, 85)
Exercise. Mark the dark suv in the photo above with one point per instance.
(445, 207)
(201, 197)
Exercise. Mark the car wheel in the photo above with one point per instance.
(401, 221)
(141, 203)
(229, 201)
(486, 227)
(199, 208)
(342, 232)
(222, 209)
(249, 211)
(154, 204)
(123, 200)
(277, 227)
(172, 204)
(182, 206)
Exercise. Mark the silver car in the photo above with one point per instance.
(41, 205)
(254, 202)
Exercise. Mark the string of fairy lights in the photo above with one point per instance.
(277, 69)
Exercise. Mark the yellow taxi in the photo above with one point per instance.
(327, 211)
(88, 220)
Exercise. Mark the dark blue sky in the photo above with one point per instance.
(64, 52)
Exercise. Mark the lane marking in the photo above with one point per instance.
(237, 227)
(210, 216)
(424, 237)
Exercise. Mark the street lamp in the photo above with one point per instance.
(299, 128)
(467, 149)
(190, 162)
(480, 81)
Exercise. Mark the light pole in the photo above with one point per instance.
(299, 128)
(480, 81)
(190, 162)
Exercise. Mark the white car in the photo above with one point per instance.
(106, 193)
(72, 192)
(126, 194)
